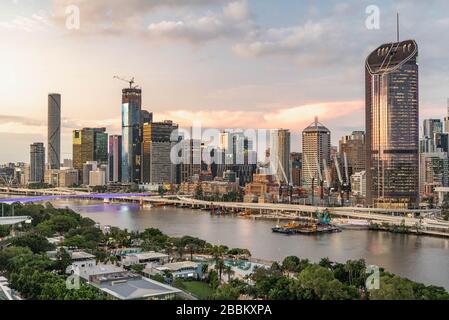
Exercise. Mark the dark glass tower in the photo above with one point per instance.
(392, 125)
(54, 131)
(131, 135)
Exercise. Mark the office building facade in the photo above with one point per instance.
(158, 140)
(54, 131)
(392, 125)
(37, 163)
(316, 153)
(115, 158)
(131, 135)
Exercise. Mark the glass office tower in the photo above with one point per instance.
(131, 135)
(54, 131)
(392, 126)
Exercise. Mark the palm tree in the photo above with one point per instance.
(229, 272)
(220, 265)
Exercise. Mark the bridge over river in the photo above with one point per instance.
(420, 219)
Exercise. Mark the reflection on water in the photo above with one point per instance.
(423, 259)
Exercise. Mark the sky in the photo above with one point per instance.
(227, 63)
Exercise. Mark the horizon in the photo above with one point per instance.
(229, 64)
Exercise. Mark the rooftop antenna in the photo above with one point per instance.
(397, 25)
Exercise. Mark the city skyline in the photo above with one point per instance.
(241, 94)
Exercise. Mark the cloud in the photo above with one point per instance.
(232, 21)
(116, 16)
(238, 10)
(37, 22)
(8, 119)
(294, 118)
(283, 40)
(193, 30)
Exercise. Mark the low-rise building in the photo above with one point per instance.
(179, 270)
(63, 178)
(144, 258)
(263, 187)
(80, 260)
(209, 187)
(124, 285)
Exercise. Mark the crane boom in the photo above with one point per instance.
(346, 167)
(337, 166)
(130, 81)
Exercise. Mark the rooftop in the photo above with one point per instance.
(316, 127)
(390, 56)
(136, 288)
(98, 270)
(149, 255)
(179, 265)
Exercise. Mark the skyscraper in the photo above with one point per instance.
(54, 131)
(446, 119)
(37, 163)
(115, 158)
(158, 140)
(392, 125)
(353, 148)
(316, 153)
(280, 154)
(89, 144)
(131, 135)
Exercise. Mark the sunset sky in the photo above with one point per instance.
(229, 64)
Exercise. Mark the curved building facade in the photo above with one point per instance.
(392, 125)
(54, 131)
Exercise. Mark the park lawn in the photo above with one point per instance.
(200, 289)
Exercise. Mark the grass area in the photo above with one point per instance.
(200, 289)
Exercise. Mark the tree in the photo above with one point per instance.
(228, 291)
(393, 288)
(4, 231)
(9, 253)
(37, 243)
(199, 194)
(229, 272)
(290, 264)
(213, 280)
(63, 260)
(220, 266)
(321, 282)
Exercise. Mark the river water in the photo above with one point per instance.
(420, 258)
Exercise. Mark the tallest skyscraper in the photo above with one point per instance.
(54, 131)
(392, 125)
(131, 135)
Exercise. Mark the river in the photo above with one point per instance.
(420, 258)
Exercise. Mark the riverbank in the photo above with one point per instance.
(422, 258)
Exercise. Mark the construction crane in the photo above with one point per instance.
(345, 186)
(130, 81)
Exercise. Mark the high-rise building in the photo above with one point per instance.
(37, 163)
(88, 167)
(280, 154)
(433, 171)
(432, 126)
(131, 135)
(115, 158)
(433, 139)
(446, 119)
(353, 148)
(54, 131)
(158, 140)
(89, 144)
(316, 153)
(392, 125)
(191, 158)
(296, 161)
